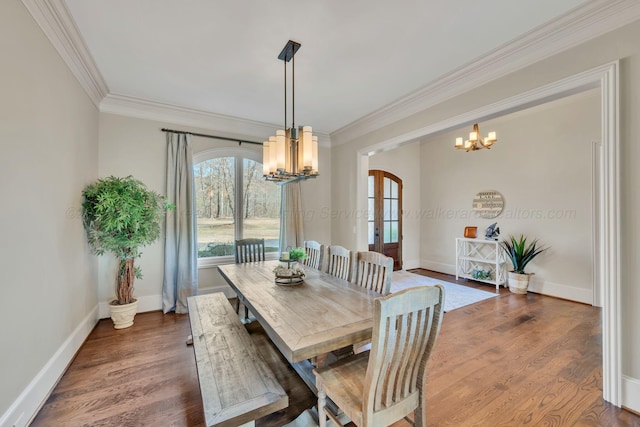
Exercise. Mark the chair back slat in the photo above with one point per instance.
(339, 263)
(249, 250)
(395, 380)
(406, 325)
(315, 252)
(373, 271)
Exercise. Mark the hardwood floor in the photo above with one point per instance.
(146, 376)
(507, 361)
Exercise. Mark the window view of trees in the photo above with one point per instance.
(258, 205)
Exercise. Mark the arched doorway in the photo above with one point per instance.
(385, 215)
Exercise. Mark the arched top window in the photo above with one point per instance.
(233, 201)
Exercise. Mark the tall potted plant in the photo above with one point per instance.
(121, 215)
(520, 253)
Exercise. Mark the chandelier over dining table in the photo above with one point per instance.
(292, 154)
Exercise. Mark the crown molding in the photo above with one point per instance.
(167, 113)
(56, 22)
(572, 85)
(577, 26)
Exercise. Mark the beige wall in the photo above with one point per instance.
(404, 163)
(49, 133)
(131, 146)
(542, 165)
(620, 44)
(51, 150)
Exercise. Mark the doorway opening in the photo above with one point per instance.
(608, 214)
(384, 222)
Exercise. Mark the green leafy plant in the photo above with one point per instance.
(520, 253)
(481, 275)
(121, 215)
(297, 254)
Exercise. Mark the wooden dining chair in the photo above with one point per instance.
(339, 262)
(248, 250)
(387, 384)
(373, 271)
(315, 254)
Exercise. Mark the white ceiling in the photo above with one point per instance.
(356, 57)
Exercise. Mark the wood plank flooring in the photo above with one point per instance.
(514, 360)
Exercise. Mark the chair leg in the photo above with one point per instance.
(246, 314)
(420, 413)
(322, 401)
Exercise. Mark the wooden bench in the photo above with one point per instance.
(236, 385)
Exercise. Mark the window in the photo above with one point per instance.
(233, 202)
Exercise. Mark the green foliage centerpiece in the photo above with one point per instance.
(520, 253)
(290, 275)
(297, 254)
(121, 215)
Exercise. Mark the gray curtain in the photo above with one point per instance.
(291, 215)
(180, 244)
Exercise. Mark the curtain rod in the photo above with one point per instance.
(239, 141)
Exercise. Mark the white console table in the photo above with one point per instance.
(474, 255)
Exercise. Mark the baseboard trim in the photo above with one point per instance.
(146, 303)
(27, 405)
(538, 286)
(154, 302)
(631, 394)
(438, 266)
(410, 263)
(561, 291)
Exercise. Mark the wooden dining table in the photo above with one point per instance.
(306, 320)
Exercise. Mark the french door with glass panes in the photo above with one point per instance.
(385, 215)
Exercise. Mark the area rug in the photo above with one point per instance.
(456, 296)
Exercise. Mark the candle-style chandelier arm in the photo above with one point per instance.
(475, 141)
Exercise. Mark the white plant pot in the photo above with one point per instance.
(519, 283)
(122, 315)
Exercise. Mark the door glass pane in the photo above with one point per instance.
(371, 210)
(371, 186)
(387, 188)
(394, 189)
(260, 206)
(387, 209)
(371, 233)
(215, 204)
(394, 231)
(394, 209)
(387, 232)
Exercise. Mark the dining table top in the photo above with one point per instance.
(318, 315)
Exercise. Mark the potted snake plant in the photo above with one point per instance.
(520, 253)
(121, 215)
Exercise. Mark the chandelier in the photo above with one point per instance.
(475, 141)
(292, 154)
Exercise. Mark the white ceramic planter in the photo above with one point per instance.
(518, 283)
(122, 315)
